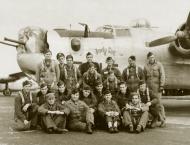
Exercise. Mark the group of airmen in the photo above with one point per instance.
(85, 98)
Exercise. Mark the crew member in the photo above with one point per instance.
(85, 66)
(132, 74)
(110, 67)
(155, 80)
(48, 71)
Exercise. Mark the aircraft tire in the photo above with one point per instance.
(7, 92)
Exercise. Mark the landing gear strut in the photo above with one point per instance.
(7, 91)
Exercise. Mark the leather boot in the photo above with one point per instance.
(89, 128)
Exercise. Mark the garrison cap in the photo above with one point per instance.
(47, 51)
(141, 82)
(69, 56)
(109, 58)
(149, 54)
(42, 85)
(88, 53)
(107, 92)
(86, 87)
(132, 57)
(97, 83)
(60, 83)
(74, 91)
(50, 95)
(60, 54)
(27, 82)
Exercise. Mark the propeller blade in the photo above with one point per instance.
(161, 41)
(188, 22)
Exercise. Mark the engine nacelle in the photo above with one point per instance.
(182, 45)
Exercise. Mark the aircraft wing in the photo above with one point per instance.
(12, 77)
(78, 33)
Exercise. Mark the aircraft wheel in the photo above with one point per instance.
(7, 92)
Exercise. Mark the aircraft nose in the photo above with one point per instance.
(29, 62)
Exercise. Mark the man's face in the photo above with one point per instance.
(131, 62)
(75, 97)
(99, 87)
(142, 87)
(110, 62)
(135, 99)
(44, 90)
(111, 76)
(51, 100)
(48, 56)
(89, 58)
(108, 97)
(123, 88)
(27, 88)
(70, 61)
(151, 59)
(86, 93)
(61, 60)
(61, 88)
(92, 69)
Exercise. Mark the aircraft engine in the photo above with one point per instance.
(181, 39)
(182, 44)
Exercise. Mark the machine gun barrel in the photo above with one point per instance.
(15, 41)
(8, 44)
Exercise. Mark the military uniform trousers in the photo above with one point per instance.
(80, 123)
(130, 119)
(32, 117)
(54, 121)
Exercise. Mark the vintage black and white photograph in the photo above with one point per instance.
(94, 72)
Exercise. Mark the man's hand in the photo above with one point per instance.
(26, 122)
(148, 104)
(26, 107)
(108, 113)
(62, 102)
(161, 89)
(51, 112)
(92, 110)
(116, 113)
(77, 85)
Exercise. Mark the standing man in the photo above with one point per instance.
(110, 67)
(91, 76)
(155, 80)
(132, 74)
(85, 66)
(48, 71)
(72, 75)
(26, 108)
(61, 59)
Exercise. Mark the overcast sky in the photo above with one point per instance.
(15, 14)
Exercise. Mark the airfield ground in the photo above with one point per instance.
(176, 133)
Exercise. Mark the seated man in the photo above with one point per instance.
(41, 95)
(109, 110)
(98, 91)
(156, 108)
(80, 117)
(62, 95)
(135, 115)
(53, 115)
(123, 96)
(26, 107)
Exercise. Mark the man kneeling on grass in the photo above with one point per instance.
(135, 115)
(53, 115)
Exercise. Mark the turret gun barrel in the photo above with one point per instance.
(15, 41)
(8, 44)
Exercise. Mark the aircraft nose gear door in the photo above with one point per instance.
(7, 91)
